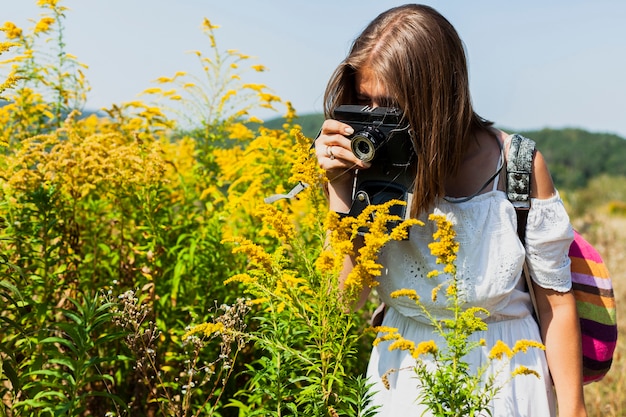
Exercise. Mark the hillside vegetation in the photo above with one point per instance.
(575, 156)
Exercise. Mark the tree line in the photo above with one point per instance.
(575, 156)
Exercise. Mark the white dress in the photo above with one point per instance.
(489, 265)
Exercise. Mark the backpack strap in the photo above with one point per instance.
(519, 167)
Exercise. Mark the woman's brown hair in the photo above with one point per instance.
(418, 55)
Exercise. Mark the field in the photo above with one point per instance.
(142, 272)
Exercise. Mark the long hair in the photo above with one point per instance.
(418, 56)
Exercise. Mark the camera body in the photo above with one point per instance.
(383, 138)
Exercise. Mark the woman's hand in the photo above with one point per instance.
(335, 156)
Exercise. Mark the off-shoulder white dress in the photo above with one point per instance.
(489, 263)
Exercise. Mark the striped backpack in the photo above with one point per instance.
(591, 284)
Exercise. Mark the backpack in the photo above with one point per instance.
(591, 283)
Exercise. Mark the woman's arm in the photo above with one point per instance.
(559, 322)
(348, 264)
(335, 156)
(561, 335)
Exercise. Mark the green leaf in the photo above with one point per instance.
(49, 394)
(76, 318)
(45, 372)
(55, 339)
(7, 369)
(67, 362)
(103, 394)
(107, 338)
(12, 289)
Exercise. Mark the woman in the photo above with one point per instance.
(411, 57)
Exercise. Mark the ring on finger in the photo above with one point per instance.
(329, 152)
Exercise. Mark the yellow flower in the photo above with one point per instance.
(499, 350)
(386, 337)
(255, 253)
(305, 168)
(382, 329)
(423, 348)
(451, 290)
(375, 219)
(255, 87)
(412, 294)
(522, 370)
(402, 344)
(385, 378)
(227, 95)
(280, 307)
(207, 329)
(152, 90)
(432, 274)
(276, 223)
(470, 322)
(523, 345)
(239, 131)
(242, 278)
(326, 262)
(256, 301)
(43, 25)
(49, 3)
(435, 292)
(207, 25)
(8, 83)
(445, 247)
(5, 46)
(11, 30)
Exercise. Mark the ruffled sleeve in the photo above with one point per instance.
(549, 235)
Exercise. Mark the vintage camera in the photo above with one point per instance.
(383, 138)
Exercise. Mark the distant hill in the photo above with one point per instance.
(310, 123)
(574, 156)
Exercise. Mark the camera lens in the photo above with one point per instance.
(365, 143)
(363, 147)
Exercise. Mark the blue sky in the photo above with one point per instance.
(533, 64)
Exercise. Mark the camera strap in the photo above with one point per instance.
(291, 194)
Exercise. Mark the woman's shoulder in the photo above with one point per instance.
(541, 184)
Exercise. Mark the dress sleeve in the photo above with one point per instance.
(549, 235)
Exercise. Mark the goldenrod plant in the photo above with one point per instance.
(303, 330)
(11, 78)
(215, 104)
(218, 92)
(48, 81)
(130, 210)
